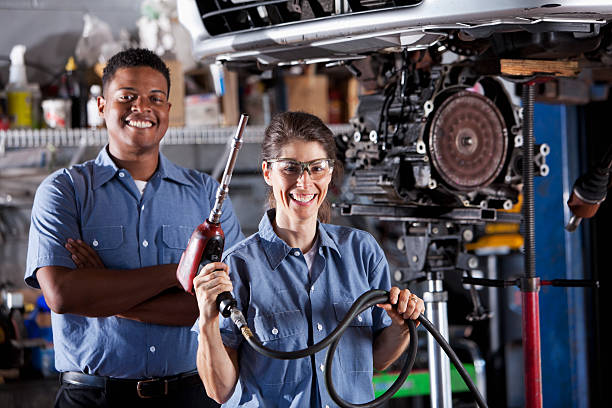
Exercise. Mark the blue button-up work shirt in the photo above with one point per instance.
(99, 203)
(288, 311)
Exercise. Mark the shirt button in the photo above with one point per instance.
(121, 174)
(312, 288)
(319, 326)
(95, 242)
(145, 243)
(275, 331)
(360, 318)
(142, 207)
(322, 367)
(326, 406)
(152, 349)
(296, 253)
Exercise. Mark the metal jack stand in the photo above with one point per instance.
(433, 243)
(435, 247)
(428, 246)
(436, 310)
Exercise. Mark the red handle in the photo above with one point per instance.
(192, 256)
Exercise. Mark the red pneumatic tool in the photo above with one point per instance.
(207, 240)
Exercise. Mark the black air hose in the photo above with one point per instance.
(365, 301)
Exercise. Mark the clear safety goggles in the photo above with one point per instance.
(293, 169)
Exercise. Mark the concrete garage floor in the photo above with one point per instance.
(38, 393)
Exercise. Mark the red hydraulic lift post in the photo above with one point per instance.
(529, 283)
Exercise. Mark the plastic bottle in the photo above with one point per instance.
(70, 88)
(20, 98)
(93, 118)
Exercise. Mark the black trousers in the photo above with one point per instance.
(186, 394)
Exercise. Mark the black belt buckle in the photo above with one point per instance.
(152, 384)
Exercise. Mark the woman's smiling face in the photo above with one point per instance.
(297, 197)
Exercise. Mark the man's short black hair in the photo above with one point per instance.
(134, 57)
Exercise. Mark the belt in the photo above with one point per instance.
(144, 388)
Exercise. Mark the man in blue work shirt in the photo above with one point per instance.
(105, 240)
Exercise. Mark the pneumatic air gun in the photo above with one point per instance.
(207, 240)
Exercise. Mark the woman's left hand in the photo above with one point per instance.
(409, 306)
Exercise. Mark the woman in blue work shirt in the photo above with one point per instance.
(294, 280)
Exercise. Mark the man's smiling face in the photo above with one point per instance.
(135, 107)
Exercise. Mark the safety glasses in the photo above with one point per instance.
(293, 169)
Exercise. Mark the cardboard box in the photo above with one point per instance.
(352, 97)
(177, 93)
(230, 98)
(308, 93)
(202, 110)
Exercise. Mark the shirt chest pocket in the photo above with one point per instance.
(289, 327)
(284, 331)
(355, 346)
(108, 242)
(103, 238)
(363, 319)
(175, 239)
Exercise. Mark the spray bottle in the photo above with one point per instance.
(22, 98)
(18, 93)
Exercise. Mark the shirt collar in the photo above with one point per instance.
(171, 171)
(325, 239)
(105, 169)
(276, 249)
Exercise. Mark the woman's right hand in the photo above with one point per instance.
(212, 280)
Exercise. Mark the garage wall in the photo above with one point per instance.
(50, 29)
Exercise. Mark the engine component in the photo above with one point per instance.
(446, 136)
(468, 141)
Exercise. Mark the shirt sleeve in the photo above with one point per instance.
(54, 219)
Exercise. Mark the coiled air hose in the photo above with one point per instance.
(365, 301)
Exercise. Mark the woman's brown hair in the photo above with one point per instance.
(288, 127)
